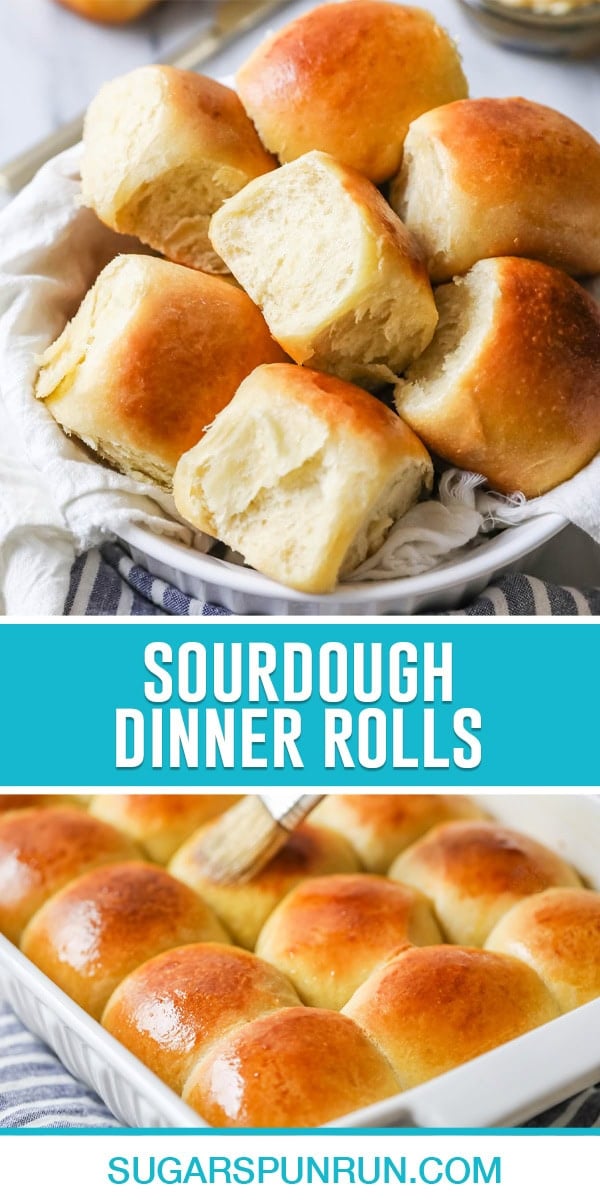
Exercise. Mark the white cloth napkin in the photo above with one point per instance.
(57, 500)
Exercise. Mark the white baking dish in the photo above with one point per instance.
(504, 1087)
(248, 593)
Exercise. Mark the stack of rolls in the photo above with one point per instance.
(464, 222)
(393, 938)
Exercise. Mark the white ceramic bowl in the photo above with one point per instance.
(247, 592)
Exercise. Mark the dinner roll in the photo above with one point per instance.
(41, 849)
(476, 872)
(510, 385)
(296, 1068)
(160, 823)
(558, 934)
(380, 827)
(244, 907)
(360, 305)
(11, 803)
(153, 354)
(302, 474)
(112, 11)
(329, 934)
(163, 148)
(483, 178)
(172, 1010)
(434, 1007)
(98, 929)
(349, 79)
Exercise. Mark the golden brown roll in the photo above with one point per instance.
(510, 385)
(244, 907)
(171, 1011)
(329, 934)
(160, 823)
(434, 1007)
(380, 827)
(302, 474)
(476, 872)
(43, 849)
(483, 178)
(163, 148)
(153, 354)
(101, 927)
(12, 803)
(349, 79)
(359, 306)
(558, 934)
(296, 1068)
(111, 11)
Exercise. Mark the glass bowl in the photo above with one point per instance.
(551, 27)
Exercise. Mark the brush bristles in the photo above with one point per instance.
(241, 842)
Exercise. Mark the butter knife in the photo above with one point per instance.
(232, 19)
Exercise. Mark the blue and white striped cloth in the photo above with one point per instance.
(37, 1092)
(35, 1089)
(107, 583)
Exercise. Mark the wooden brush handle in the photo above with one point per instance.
(290, 807)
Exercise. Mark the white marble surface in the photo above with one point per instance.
(52, 62)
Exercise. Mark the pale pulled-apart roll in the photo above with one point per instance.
(160, 823)
(348, 79)
(244, 907)
(174, 1008)
(558, 934)
(303, 474)
(510, 385)
(475, 872)
(99, 928)
(329, 934)
(153, 354)
(42, 849)
(340, 280)
(115, 12)
(381, 826)
(484, 178)
(296, 1068)
(163, 148)
(433, 1008)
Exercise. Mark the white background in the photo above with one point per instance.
(72, 1167)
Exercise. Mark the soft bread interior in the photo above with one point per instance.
(318, 257)
(300, 497)
(173, 213)
(139, 177)
(103, 316)
(263, 236)
(466, 315)
(101, 321)
(419, 195)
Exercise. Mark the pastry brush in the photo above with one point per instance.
(249, 835)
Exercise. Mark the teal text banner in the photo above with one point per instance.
(245, 705)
